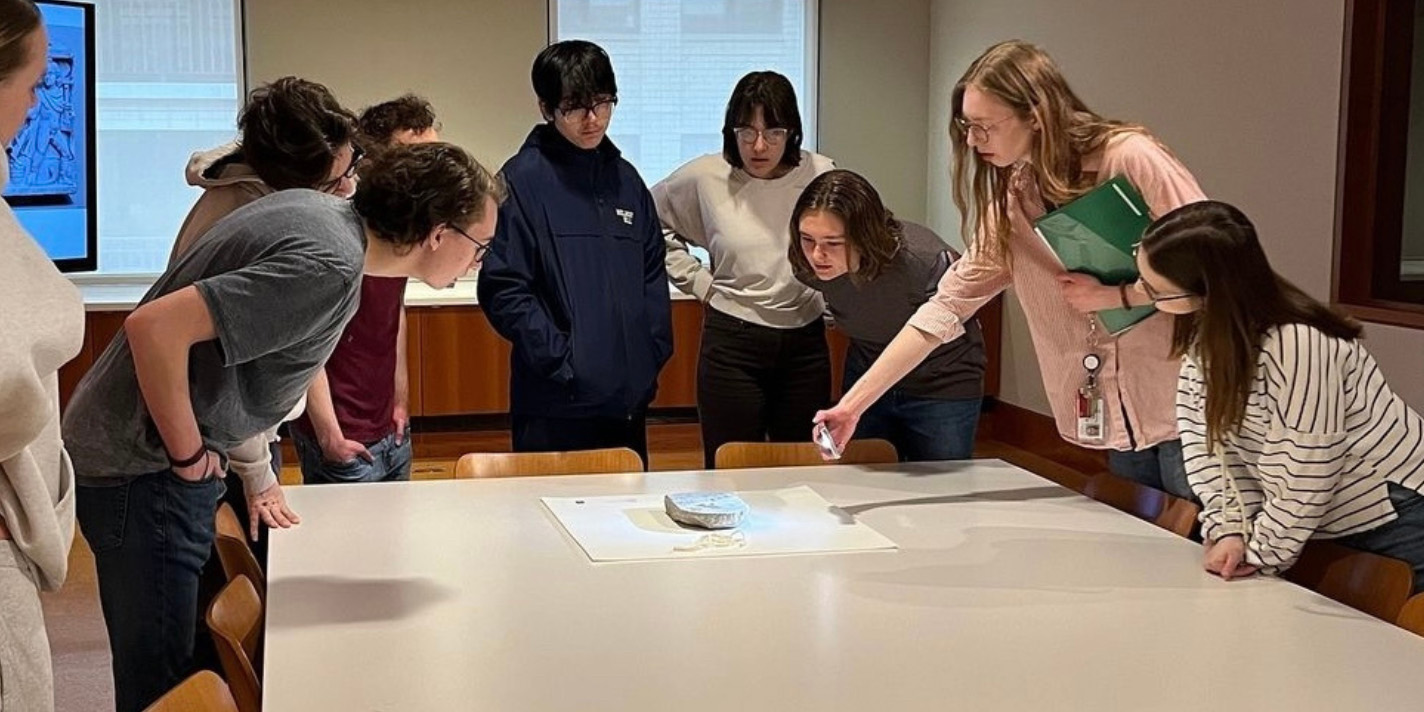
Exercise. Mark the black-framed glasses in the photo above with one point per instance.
(979, 132)
(1158, 297)
(480, 247)
(356, 155)
(773, 137)
(602, 108)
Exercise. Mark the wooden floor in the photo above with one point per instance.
(83, 682)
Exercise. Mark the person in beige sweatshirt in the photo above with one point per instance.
(42, 320)
(295, 134)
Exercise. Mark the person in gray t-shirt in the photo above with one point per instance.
(874, 272)
(219, 350)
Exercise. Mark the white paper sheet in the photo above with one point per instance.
(794, 520)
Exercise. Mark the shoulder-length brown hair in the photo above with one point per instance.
(1026, 78)
(871, 229)
(1210, 249)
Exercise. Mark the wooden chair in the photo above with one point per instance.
(731, 456)
(1411, 616)
(235, 554)
(235, 619)
(203, 692)
(1174, 514)
(614, 460)
(1377, 585)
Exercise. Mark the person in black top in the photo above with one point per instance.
(874, 271)
(576, 279)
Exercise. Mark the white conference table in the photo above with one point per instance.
(1008, 592)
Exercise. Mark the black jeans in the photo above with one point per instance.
(150, 536)
(533, 433)
(756, 383)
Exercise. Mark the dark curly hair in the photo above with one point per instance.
(406, 191)
(18, 19)
(379, 123)
(292, 130)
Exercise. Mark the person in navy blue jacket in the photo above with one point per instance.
(575, 278)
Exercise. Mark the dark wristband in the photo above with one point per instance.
(1122, 292)
(189, 462)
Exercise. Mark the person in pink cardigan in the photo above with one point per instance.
(1025, 144)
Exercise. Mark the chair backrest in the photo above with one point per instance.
(1378, 585)
(235, 619)
(614, 460)
(870, 451)
(235, 554)
(1411, 616)
(203, 692)
(1179, 516)
(1120, 493)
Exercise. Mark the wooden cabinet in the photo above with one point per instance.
(460, 366)
(463, 364)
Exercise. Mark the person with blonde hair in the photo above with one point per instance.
(42, 320)
(1025, 144)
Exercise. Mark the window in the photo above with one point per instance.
(1380, 210)
(169, 82)
(677, 65)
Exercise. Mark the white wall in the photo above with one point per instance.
(1247, 94)
(471, 58)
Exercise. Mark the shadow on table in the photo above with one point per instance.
(326, 600)
(1022, 494)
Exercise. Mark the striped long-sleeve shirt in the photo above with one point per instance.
(1322, 435)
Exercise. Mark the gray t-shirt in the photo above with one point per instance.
(281, 277)
(872, 314)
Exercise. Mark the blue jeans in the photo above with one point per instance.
(1159, 467)
(921, 429)
(1402, 538)
(389, 462)
(150, 536)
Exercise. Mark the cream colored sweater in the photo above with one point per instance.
(41, 328)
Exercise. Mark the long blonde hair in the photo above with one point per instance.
(1024, 77)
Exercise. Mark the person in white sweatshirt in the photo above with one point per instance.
(764, 368)
(42, 322)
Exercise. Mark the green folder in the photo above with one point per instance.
(1096, 234)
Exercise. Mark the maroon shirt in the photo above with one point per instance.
(362, 369)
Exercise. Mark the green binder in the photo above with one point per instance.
(1096, 234)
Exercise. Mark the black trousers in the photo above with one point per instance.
(544, 434)
(756, 383)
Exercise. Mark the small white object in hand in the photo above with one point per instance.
(706, 510)
(827, 442)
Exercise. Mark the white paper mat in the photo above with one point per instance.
(794, 520)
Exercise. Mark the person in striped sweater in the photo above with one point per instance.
(1289, 430)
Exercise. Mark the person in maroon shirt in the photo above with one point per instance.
(357, 425)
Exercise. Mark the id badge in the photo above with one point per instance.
(1090, 403)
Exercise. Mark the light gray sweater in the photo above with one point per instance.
(745, 224)
(41, 328)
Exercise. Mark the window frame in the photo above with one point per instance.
(810, 98)
(1372, 160)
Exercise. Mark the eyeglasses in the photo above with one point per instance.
(979, 132)
(1153, 294)
(602, 108)
(773, 137)
(480, 247)
(356, 155)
